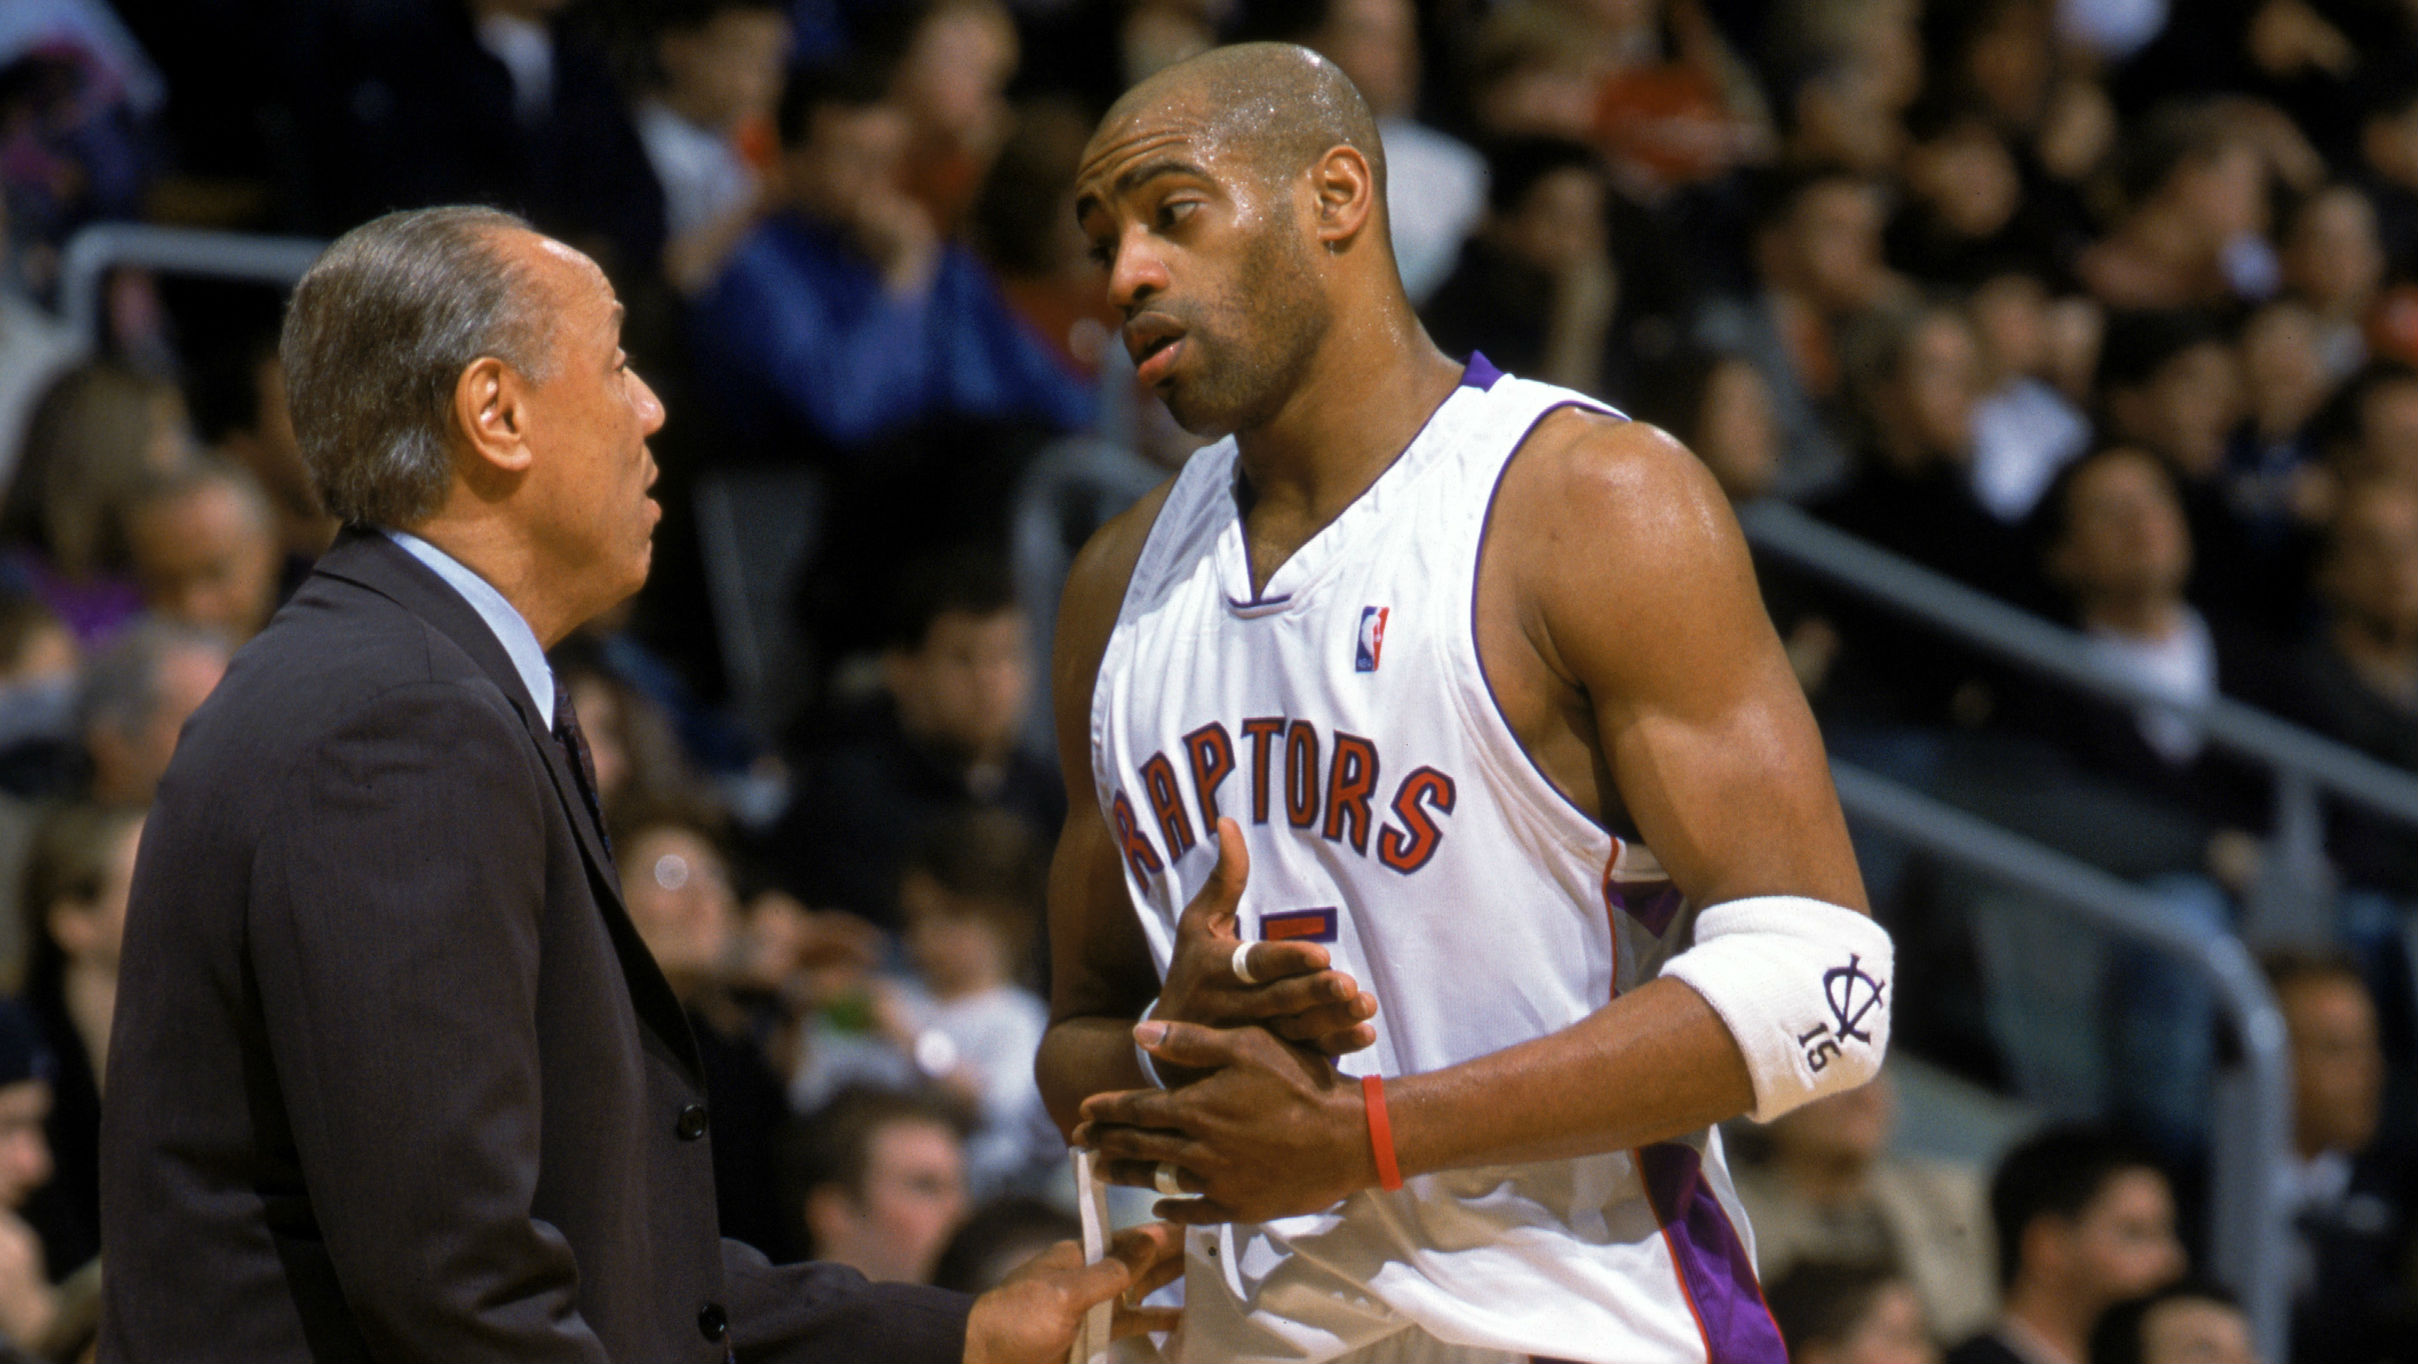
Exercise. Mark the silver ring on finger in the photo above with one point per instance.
(1242, 964)
(1168, 1180)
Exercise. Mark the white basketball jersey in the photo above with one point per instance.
(1341, 716)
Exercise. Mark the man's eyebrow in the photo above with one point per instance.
(1139, 175)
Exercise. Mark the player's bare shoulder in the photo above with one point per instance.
(1615, 531)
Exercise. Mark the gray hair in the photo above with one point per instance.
(376, 338)
(120, 689)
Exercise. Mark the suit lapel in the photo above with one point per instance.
(369, 559)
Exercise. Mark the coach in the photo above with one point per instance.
(392, 1076)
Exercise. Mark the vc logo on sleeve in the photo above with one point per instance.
(1852, 993)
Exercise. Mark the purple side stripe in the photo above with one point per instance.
(1480, 372)
(1713, 1266)
(1652, 904)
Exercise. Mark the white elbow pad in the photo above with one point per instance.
(1805, 988)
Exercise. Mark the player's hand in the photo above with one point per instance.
(1272, 1131)
(1299, 996)
(1033, 1316)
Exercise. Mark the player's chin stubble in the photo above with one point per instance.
(1247, 355)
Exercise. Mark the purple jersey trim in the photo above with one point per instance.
(1714, 1269)
(1653, 904)
(1480, 372)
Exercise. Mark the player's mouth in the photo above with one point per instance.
(1153, 340)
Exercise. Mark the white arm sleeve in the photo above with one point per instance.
(1805, 988)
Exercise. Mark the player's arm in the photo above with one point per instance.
(1101, 974)
(1637, 596)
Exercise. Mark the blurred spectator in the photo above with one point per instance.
(1817, 258)
(2334, 262)
(2355, 1196)
(1833, 1312)
(1024, 227)
(997, 1237)
(944, 734)
(262, 440)
(1964, 200)
(74, 91)
(1435, 185)
(35, 348)
(880, 1181)
(847, 316)
(1718, 407)
(76, 879)
(971, 896)
(204, 548)
(39, 667)
(631, 738)
(1844, 75)
(2024, 429)
(1914, 376)
(1673, 105)
(2170, 385)
(2192, 229)
(28, 1304)
(2273, 478)
(949, 62)
(2184, 1323)
(1828, 1191)
(2356, 679)
(2119, 553)
(2368, 431)
(1536, 288)
(2388, 170)
(677, 884)
(136, 697)
(474, 101)
(707, 126)
(99, 432)
(2083, 1224)
(1531, 74)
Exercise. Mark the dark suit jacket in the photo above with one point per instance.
(392, 1075)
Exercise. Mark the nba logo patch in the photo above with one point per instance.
(1372, 638)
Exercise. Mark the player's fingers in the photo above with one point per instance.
(1147, 1250)
(1160, 1273)
(1348, 1040)
(1132, 1107)
(1277, 962)
(1134, 1321)
(1141, 1146)
(1189, 1044)
(1194, 1212)
(1312, 1024)
(1212, 912)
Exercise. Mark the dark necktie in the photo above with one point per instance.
(583, 767)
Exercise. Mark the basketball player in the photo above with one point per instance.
(1453, 686)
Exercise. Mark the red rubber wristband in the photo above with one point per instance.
(1381, 1133)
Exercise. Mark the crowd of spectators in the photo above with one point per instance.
(2108, 308)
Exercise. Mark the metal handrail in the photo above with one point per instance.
(2290, 902)
(94, 251)
(2251, 1211)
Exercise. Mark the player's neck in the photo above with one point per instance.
(1369, 392)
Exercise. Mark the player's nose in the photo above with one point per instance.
(1137, 275)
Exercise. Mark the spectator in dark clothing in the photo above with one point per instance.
(848, 317)
(944, 734)
(2354, 1189)
(1536, 289)
(2354, 1195)
(878, 1178)
(2172, 385)
(2084, 1222)
(76, 879)
(2388, 167)
(474, 101)
(1841, 1312)
(2357, 678)
(677, 885)
(1913, 382)
(2118, 551)
(2183, 1323)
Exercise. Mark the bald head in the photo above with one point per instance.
(1273, 106)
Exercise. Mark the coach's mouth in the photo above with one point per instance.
(1153, 340)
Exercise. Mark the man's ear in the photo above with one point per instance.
(1345, 191)
(491, 410)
